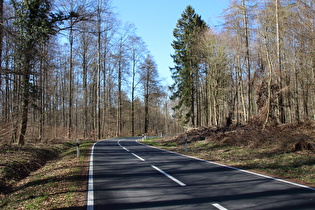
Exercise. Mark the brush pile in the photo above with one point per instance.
(289, 138)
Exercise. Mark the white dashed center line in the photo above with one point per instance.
(140, 158)
(169, 176)
(218, 206)
(125, 149)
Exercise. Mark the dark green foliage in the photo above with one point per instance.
(185, 72)
(33, 25)
(34, 22)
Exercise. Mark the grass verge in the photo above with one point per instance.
(61, 183)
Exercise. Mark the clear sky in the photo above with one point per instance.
(155, 21)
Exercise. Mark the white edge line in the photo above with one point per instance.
(90, 197)
(140, 158)
(233, 168)
(218, 206)
(169, 176)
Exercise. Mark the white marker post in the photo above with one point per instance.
(78, 147)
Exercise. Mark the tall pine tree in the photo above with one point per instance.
(185, 73)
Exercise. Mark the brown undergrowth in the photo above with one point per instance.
(49, 178)
(17, 162)
(288, 138)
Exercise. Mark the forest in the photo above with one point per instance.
(259, 67)
(72, 69)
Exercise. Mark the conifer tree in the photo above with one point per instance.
(34, 25)
(185, 72)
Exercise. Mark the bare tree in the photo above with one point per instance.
(137, 50)
(151, 87)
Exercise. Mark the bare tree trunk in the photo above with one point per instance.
(133, 100)
(105, 86)
(269, 88)
(41, 100)
(198, 104)
(98, 88)
(24, 111)
(296, 87)
(70, 82)
(192, 97)
(119, 111)
(85, 91)
(146, 109)
(247, 58)
(9, 99)
(279, 60)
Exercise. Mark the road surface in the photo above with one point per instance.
(125, 174)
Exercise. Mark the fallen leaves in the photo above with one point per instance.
(60, 184)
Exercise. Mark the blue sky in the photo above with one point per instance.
(155, 21)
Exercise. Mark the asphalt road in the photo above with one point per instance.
(125, 174)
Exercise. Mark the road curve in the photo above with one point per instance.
(125, 174)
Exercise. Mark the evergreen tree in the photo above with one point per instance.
(34, 25)
(185, 73)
